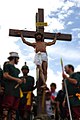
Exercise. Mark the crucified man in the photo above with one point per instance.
(40, 59)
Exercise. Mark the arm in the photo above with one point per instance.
(7, 76)
(58, 106)
(71, 80)
(54, 40)
(26, 42)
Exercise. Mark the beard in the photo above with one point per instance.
(39, 38)
(16, 61)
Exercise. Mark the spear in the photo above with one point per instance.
(62, 65)
(66, 90)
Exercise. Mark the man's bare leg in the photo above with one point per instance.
(13, 115)
(5, 114)
(37, 73)
(44, 67)
(42, 75)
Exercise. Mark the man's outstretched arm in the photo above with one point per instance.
(54, 40)
(26, 42)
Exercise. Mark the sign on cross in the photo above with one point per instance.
(47, 35)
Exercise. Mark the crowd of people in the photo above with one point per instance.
(16, 92)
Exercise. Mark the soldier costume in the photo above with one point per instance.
(12, 95)
(27, 88)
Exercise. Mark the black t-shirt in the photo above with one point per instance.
(1, 76)
(60, 96)
(10, 84)
(28, 85)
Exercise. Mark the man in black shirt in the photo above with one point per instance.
(27, 88)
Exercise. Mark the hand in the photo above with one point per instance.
(18, 32)
(64, 75)
(19, 81)
(58, 110)
(63, 104)
(57, 34)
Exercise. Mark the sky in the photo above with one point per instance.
(61, 15)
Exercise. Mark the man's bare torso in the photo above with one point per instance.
(40, 46)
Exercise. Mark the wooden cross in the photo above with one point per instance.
(47, 35)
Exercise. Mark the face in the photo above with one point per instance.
(25, 71)
(39, 38)
(67, 69)
(52, 88)
(48, 96)
(16, 60)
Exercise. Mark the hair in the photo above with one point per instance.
(53, 84)
(38, 33)
(71, 66)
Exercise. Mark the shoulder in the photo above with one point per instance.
(18, 71)
(6, 66)
(60, 91)
(29, 76)
(76, 74)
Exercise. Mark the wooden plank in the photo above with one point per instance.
(30, 34)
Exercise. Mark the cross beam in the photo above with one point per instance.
(47, 35)
(30, 34)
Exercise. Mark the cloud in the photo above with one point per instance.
(77, 68)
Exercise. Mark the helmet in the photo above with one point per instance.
(25, 67)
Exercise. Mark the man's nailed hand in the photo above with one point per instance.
(18, 32)
(57, 35)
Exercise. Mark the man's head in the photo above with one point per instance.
(69, 69)
(48, 94)
(25, 69)
(15, 56)
(53, 86)
(39, 36)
